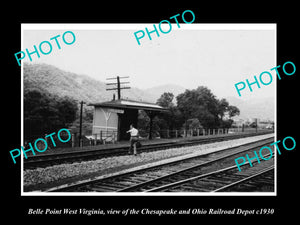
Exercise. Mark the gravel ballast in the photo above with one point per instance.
(79, 170)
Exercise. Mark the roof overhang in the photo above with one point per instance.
(129, 104)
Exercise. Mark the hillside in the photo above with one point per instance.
(263, 108)
(84, 88)
(79, 87)
(159, 90)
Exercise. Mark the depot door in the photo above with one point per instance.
(129, 116)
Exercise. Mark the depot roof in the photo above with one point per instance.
(129, 104)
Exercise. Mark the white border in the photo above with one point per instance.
(194, 26)
(118, 26)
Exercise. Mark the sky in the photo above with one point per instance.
(216, 56)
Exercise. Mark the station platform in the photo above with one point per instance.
(45, 179)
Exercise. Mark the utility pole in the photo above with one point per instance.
(80, 123)
(118, 83)
(119, 87)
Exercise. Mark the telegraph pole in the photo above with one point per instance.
(80, 124)
(118, 83)
(119, 87)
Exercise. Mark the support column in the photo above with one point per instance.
(151, 115)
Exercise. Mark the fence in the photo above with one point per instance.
(189, 133)
(103, 137)
(111, 136)
(197, 132)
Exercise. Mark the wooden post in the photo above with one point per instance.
(73, 140)
(198, 131)
(119, 87)
(176, 133)
(95, 139)
(151, 123)
(80, 124)
(113, 137)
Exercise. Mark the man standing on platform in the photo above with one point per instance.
(133, 139)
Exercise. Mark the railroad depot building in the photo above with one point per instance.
(113, 118)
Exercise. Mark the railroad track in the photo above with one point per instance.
(44, 160)
(260, 181)
(160, 176)
(222, 180)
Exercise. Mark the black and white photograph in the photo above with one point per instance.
(149, 111)
(189, 112)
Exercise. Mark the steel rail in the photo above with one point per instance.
(226, 187)
(198, 177)
(245, 147)
(191, 168)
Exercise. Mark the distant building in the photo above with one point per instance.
(251, 122)
(114, 117)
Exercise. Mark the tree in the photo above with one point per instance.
(67, 109)
(223, 107)
(197, 108)
(233, 111)
(193, 124)
(45, 113)
(144, 124)
(166, 100)
(202, 104)
(199, 103)
(172, 119)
